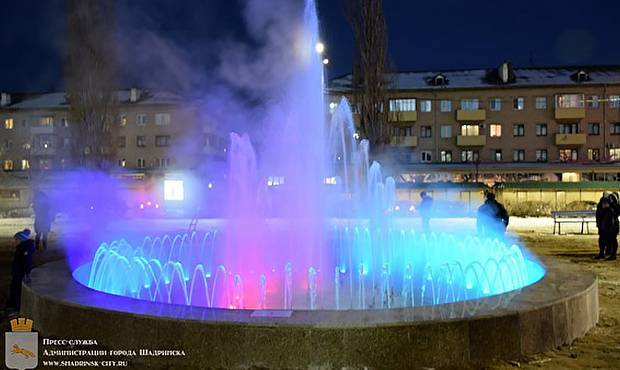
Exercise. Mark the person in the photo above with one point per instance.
(602, 248)
(43, 218)
(20, 269)
(607, 222)
(614, 204)
(493, 218)
(426, 209)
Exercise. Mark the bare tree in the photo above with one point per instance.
(91, 80)
(369, 76)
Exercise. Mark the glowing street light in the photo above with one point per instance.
(319, 47)
(326, 61)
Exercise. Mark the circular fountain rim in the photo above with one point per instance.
(68, 291)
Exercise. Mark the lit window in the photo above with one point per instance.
(141, 119)
(446, 156)
(273, 181)
(470, 130)
(470, 104)
(426, 105)
(495, 104)
(498, 155)
(25, 164)
(568, 155)
(541, 102)
(402, 105)
(46, 121)
(7, 165)
(495, 130)
(446, 106)
(541, 129)
(123, 120)
(569, 101)
(594, 154)
(162, 119)
(174, 190)
(8, 123)
(518, 103)
(446, 131)
(122, 163)
(614, 154)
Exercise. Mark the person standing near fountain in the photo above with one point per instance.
(42, 218)
(492, 217)
(22, 264)
(426, 210)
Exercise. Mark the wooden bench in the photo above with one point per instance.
(584, 217)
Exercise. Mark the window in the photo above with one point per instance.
(25, 164)
(8, 144)
(122, 163)
(470, 130)
(141, 163)
(569, 101)
(497, 155)
(495, 104)
(614, 101)
(405, 131)
(7, 165)
(541, 155)
(569, 128)
(469, 156)
(614, 128)
(24, 123)
(426, 156)
(446, 131)
(470, 104)
(594, 154)
(446, 156)
(45, 164)
(426, 131)
(402, 105)
(64, 122)
(8, 123)
(426, 106)
(123, 120)
(518, 103)
(162, 119)
(541, 129)
(46, 121)
(163, 162)
(44, 141)
(540, 102)
(518, 129)
(66, 142)
(568, 155)
(446, 106)
(121, 141)
(141, 119)
(518, 155)
(140, 141)
(162, 140)
(593, 102)
(495, 130)
(594, 129)
(614, 154)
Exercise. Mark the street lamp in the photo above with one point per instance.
(319, 47)
(326, 61)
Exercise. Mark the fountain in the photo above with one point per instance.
(313, 258)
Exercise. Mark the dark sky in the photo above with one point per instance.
(423, 35)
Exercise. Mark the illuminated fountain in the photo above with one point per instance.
(278, 247)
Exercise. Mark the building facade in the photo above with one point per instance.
(503, 124)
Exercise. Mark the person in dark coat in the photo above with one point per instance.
(426, 209)
(607, 222)
(493, 218)
(43, 218)
(20, 269)
(602, 247)
(614, 204)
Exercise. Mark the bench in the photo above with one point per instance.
(584, 217)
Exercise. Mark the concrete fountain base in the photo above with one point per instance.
(558, 309)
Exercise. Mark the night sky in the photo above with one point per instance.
(169, 38)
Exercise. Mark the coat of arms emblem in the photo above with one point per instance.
(21, 345)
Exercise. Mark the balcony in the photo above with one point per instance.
(404, 141)
(403, 117)
(471, 141)
(42, 130)
(570, 114)
(471, 115)
(570, 139)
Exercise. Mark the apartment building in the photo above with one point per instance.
(157, 131)
(503, 124)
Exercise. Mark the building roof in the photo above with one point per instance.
(55, 100)
(489, 78)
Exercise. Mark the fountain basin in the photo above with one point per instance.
(559, 308)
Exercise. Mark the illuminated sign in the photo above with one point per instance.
(173, 190)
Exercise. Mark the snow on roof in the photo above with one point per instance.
(487, 78)
(59, 99)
